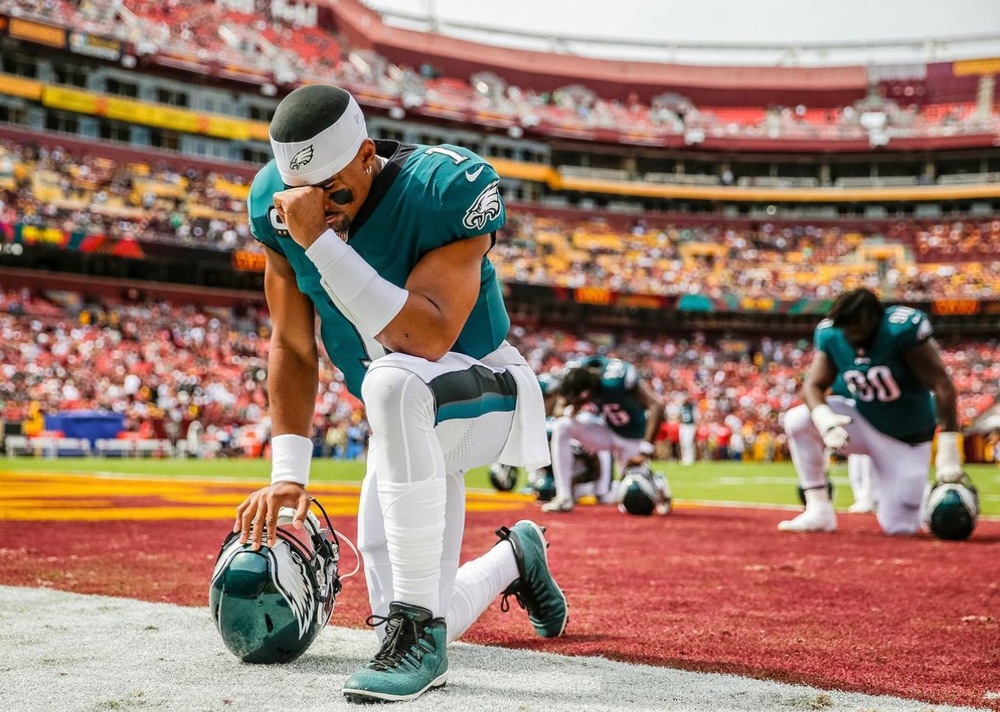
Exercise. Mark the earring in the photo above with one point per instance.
(368, 170)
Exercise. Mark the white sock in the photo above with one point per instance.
(477, 585)
(817, 495)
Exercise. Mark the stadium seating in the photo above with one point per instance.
(53, 188)
(161, 363)
(209, 31)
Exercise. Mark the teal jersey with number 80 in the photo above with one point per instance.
(425, 197)
(887, 392)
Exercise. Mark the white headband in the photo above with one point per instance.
(313, 161)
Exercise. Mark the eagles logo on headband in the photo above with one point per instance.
(316, 131)
(302, 158)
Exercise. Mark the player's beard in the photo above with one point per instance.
(340, 223)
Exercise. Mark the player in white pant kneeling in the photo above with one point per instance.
(388, 243)
(889, 367)
(630, 417)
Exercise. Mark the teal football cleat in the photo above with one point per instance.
(535, 590)
(412, 659)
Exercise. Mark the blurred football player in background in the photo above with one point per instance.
(627, 419)
(864, 486)
(688, 431)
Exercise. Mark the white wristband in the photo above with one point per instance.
(823, 417)
(369, 301)
(290, 459)
(948, 455)
(647, 448)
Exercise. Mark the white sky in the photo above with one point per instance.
(732, 21)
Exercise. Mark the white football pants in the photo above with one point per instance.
(688, 452)
(412, 511)
(900, 470)
(862, 478)
(593, 435)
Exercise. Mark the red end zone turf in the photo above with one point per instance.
(708, 589)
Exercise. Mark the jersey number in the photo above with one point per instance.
(614, 414)
(901, 315)
(456, 157)
(878, 383)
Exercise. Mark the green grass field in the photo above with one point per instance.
(714, 481)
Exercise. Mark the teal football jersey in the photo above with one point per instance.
(425, 197)
(887, 392)
(548, 383)
(618, 397)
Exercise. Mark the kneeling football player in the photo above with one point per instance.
(892, 391)
(389, 243)
(629, 415)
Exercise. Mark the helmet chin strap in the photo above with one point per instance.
(357, 556)
(338, 536)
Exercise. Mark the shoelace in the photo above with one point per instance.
(400, 641)
(521, 592)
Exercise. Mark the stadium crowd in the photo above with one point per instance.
(51, 189)
(164, 365)
(765, 260)
(250, 33)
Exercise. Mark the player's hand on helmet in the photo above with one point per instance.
(637, 460)
(831, 427)
(303, 212)
(260, 510)
(949, 459)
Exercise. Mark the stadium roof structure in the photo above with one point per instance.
(713, 85)
(795, 39)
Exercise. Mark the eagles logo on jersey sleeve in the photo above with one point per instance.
(472, 204)
(486, 207)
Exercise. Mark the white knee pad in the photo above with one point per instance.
(798, 420)
(901, 527)
(410, 481)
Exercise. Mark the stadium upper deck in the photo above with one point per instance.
(276, 46)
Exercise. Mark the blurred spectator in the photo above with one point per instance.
(162, 364)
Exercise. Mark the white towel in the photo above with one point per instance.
(527, 445)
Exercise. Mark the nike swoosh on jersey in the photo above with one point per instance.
(472, 175)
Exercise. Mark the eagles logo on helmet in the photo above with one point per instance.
(503, 477)
(270, 604)
(952, 510)
(643, 492)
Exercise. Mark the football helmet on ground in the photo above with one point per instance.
(953, 509)
(643, 492)
(270, 604)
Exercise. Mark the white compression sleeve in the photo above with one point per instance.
(290, 459)
(369, 301)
